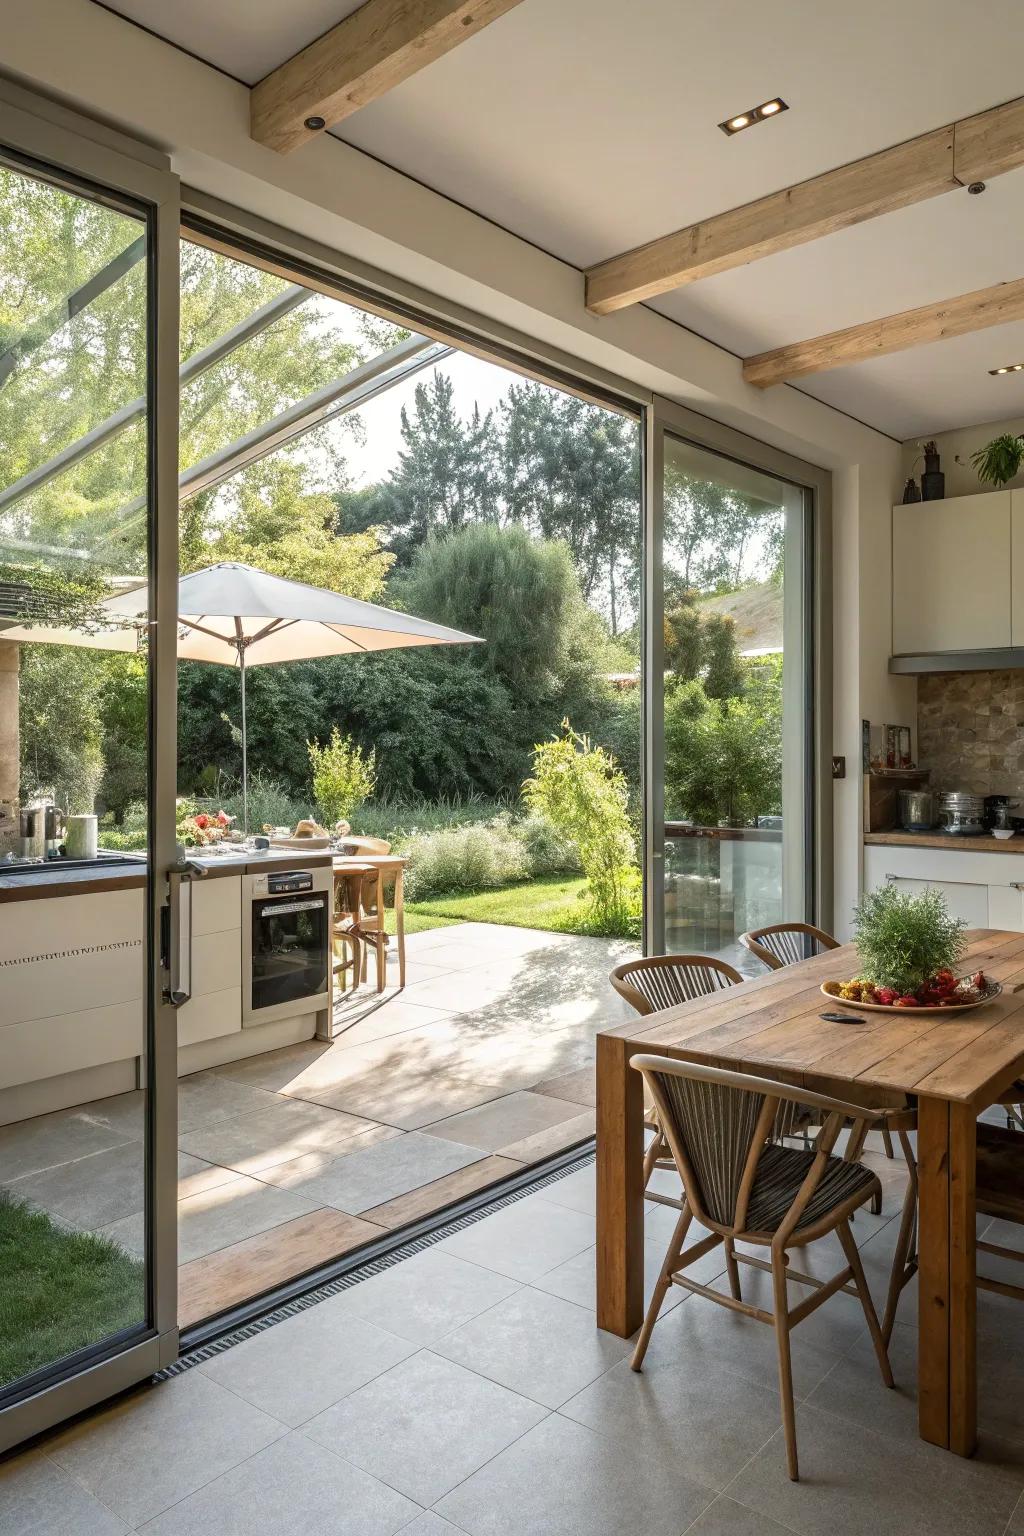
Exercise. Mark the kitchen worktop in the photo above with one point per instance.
(983, 844)
(127, 872)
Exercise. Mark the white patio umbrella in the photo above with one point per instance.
(242, 617)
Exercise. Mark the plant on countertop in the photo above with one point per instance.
(1001, 459)
(903, 940)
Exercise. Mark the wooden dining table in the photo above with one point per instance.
(955, 1065)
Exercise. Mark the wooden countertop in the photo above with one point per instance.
(943, 840)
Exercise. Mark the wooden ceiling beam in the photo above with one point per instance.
(374, 49)
(940, 161)
(998, 305)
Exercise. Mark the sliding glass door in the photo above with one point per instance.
(88, 363)
(729, 688)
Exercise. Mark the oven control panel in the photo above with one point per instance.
(283, 883)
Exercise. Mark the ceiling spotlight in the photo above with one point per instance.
(314, 124)
(1008, 368)
(754, 115)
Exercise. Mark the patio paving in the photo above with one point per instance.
(480, 1067)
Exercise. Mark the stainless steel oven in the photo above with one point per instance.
(286, 943)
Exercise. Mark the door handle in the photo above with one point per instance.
(177, 932)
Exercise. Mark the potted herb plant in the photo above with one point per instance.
(907, 946)
(1001, 459)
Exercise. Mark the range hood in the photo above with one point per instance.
(1005, 659)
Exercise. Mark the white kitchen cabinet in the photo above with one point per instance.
(983, 888)
(964, 900)
(951, 572)
(1017, 567)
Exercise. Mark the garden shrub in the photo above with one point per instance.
(343, 776)
(478, 857)
(548, 851)
(583, 793)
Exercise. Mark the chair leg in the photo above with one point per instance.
(657, 1148)
(887, 1142)
(871, 1316)
(781, 1314)
(733, 1269)
(661, 1289)
(904, 1263)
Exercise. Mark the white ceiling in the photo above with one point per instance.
(590, 126)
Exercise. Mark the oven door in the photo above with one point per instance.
(289, 972)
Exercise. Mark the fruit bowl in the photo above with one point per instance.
(954, 1005)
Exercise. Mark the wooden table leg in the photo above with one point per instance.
(620, 1190)
(947, 1299)
(400, 925)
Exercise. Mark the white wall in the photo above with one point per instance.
(962, 477)
(101, 64)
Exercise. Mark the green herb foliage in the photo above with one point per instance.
(903, 940)
(1000, 459)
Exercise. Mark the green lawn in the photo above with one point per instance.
(59, 1291)
(552, 903)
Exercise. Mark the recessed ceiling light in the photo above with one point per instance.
(1009, 368)
(754, 115)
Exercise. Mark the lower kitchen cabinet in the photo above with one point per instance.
(984, 889)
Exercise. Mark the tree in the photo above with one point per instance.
(702, 645)
(723, 758)
(709, 528)
(570, 470)
(444, 478)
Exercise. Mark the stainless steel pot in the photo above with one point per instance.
(961, 813)
(917, 810)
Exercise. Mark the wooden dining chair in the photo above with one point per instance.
(369, 925)
(344, 923)
(744, 1187)
(999, 1191)
(781, 944)
(662, 981)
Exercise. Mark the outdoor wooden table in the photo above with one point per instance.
(392, 865)
(772, 1026)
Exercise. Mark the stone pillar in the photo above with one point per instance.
(10, 755)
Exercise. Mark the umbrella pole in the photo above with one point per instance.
(245, 756)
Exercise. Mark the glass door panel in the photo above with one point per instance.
(730, 694)
(79, 988)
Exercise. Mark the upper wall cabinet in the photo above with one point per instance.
(955, 566)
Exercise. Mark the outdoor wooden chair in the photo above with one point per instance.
(744, 1187)
(369, 926)
(348, 885)
(662, 981)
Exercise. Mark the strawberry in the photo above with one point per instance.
(885, 995)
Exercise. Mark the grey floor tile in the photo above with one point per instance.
(1016, 1525)
(577, 1191)
(362, 1179)
(219, 1216)
(287, 1128)
(727, 1518)
(710, 1424)
(561, 1479)
(206, 1097)
(32, 1146)
(196, 1177)
(860, 1482)
(510, 1119)
(539, 1345)
(576, 1279)
(429, 1524)
(524, 1240)
(293, 1488)
(37, 1498)
(149, 1450)
(408, 1104)
(703, 1339)
(426, 1296)
(425, 1426)
(91, 1191)
(300, 1367)
(370, 1015)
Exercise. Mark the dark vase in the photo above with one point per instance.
(933, 481)
(911, 493)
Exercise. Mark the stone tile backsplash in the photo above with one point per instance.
(970, 731)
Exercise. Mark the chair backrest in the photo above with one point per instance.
(348, 884)
(785, 943)
(664, 981)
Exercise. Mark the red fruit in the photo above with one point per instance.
(885, 995)
(906, 1001)
(979, 981)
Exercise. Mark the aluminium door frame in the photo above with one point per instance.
(666, 417)
(41, 137)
